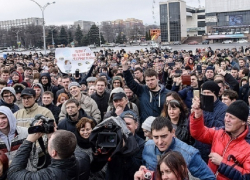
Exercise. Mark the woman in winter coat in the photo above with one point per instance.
(84, 128)
(176, 111)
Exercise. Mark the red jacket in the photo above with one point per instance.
(228, 148)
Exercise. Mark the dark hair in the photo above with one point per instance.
(49, 93)
(175, 162)
(235, 68)
(161, 122)
(64, 143)
(101, 79)
(72, 101)
(231, 94)
(245, 71)
(218, 81)
(183, 106)
(150, 73)
(53, 70)
(81, 123)
(66, 77)
(3, 82)
(138, 69)
(5, 71)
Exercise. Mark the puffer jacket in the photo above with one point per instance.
(235, 152)
(150, 105)
(89, 106)
(26, 116)
(73, 168)
(211, 119)
(197, 167)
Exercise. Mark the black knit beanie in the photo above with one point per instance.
(239, 109)
(212, 86)
(209, 68)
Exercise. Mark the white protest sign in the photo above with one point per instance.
(70, 59)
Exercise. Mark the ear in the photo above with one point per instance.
(173, 132)
(79, 108)
(53, 153)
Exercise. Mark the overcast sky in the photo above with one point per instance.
(65, 12)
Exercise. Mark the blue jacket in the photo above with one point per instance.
(211, 119)
(150, 105)
(197, 167)
(186, 94)
(13, 107)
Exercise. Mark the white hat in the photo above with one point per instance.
(147, 123)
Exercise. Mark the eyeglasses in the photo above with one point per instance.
(27, 98)
(8, 96)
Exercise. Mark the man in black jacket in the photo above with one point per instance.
(74, 114)
(47, 100)
(101, 96)
(64, 164)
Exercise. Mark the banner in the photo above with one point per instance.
(70, 59)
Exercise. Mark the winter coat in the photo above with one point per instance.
(124, 167)
(26, 116)
(88, 105)
(68, 124)
(211, 119)
(75, 167)
(102, 102)
(46, 87)
(150, 105)
(55, 110)
(13, 107)
(197, 167)
(235, 152)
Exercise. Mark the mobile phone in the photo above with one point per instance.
(196, 93)
(77, 73)
(199, 69)
(207, 103)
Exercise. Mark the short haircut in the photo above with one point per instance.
(150, 73)
(245, 71)
(101, 79)
(218, 81)
(54, 70)
(3, 82)
(81, 123)
(66, 77)
(231, 94)
(73, 101)
(64, 143)
(161, 122)
(5, 71)
(235, 68)
(138, 69)
(49, 93)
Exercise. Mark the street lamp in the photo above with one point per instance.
(43, 9)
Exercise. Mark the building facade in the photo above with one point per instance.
(85, 25)
(20, 23)
(173, 20)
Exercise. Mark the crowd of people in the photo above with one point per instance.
(177, 115)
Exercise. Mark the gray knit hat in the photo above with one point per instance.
(147, 123)
(11, 89)
(74, 84)
(91, 79)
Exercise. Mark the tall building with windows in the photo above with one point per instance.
(20, 23)
(85, 25)
(173, 20)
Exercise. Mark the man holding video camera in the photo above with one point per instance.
(64, 164)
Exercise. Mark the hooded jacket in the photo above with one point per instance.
(39, 99)
(11, 142)
(46, 87)
(13, 107)
(150, 104)
(88, 105)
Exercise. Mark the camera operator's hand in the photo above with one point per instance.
(35, 136)
(139, 175)
(196, 107)
(55, 129)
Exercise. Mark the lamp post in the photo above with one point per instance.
(43, 9)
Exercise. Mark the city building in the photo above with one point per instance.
(173, 20)
(179, 21)
(227, 19)
(20, 23)
(85, 25)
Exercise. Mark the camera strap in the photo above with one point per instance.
(41, 143)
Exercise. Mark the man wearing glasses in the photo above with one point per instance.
(31, 109)
(8, 98)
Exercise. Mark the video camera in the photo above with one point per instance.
(47, 126)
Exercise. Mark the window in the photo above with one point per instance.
(201, 24)
(201, 16)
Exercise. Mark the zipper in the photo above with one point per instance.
(9, 145)
(217, 172)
